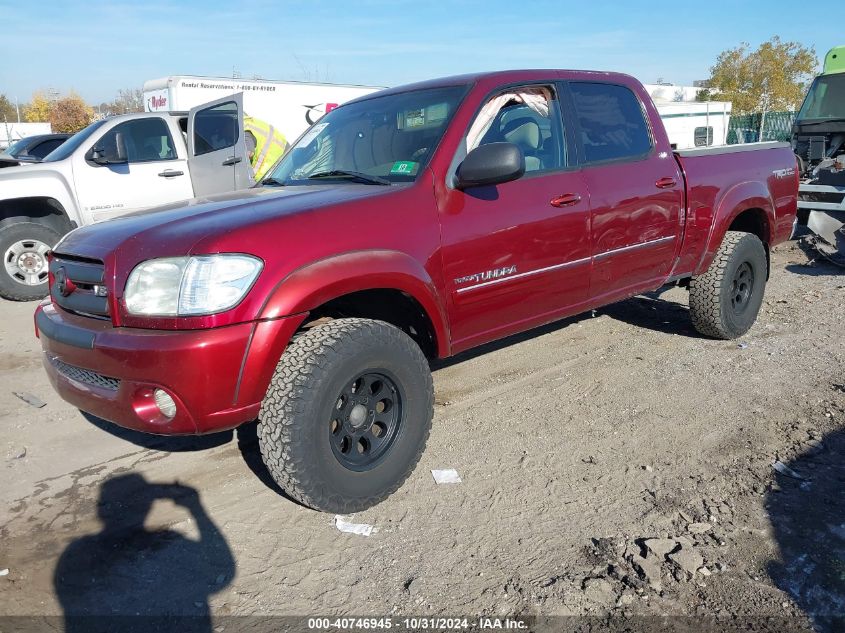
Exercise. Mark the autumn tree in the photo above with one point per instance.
(38, 110)
(772, 78)
(70, 114)
(8, 111)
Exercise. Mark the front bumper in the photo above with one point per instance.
(217, 376)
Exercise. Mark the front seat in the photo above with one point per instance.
(525, 134)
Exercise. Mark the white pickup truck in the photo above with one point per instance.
(110, 168)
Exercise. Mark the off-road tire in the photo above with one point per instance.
(710, 294)
(293, 429)
(11, 234)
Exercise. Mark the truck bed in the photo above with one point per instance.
(714, 190)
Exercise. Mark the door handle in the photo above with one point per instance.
(171, 173)
(665, 183)
(566, 200)
(232, 160)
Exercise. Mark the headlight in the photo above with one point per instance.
(188, 286)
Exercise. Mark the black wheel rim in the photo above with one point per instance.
(742, 287)
(365, 420)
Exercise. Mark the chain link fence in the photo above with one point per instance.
(745, 128)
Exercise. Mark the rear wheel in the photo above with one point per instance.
(725, 300)
(347, 414)
(24, 247)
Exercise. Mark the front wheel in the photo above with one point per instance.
(347, 414)
(725, 300)
(24, 247)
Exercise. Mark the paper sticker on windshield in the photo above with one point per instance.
(312, 134)
(404, 168)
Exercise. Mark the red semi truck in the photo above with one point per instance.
(408, 225)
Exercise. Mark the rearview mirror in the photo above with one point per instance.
(491, 164)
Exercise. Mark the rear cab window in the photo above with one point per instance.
(611, 122)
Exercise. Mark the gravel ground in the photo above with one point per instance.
(614, 465)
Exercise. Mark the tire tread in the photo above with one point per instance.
(284, 414)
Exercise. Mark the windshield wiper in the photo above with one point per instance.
(272, 181)
(352, 175)
(822, 122)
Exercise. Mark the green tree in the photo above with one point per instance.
(70, 114)
(772, 78)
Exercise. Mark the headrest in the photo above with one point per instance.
(523, 132)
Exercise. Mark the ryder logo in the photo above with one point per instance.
(156, 103)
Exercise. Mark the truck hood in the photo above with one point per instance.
(173, 230)
(14, 168)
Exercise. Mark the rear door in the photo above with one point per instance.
(217, 156)
(636, 190)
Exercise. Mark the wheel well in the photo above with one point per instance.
(38, 209)
(382, 304)
(754, 221)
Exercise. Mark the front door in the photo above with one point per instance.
(216, 147)
(636, 191)
(518, 253)
(152, 173)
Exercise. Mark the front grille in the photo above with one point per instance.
(86, 376)
(79, 285)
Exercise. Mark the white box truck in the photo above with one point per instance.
(289, 106)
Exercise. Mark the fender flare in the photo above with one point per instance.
(316, 283)
(739, 198)
(35, 182)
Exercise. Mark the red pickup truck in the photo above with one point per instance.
(411, 224)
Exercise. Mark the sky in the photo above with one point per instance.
(96, 47)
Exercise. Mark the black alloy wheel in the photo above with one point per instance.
(367, 419)
(742, 288)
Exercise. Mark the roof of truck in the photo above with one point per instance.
(834, 61)
(503, 76)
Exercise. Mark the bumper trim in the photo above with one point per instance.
(63, 333)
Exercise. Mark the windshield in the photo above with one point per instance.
(15, 147)
(826, 99)
(69, 146)
(389, 138)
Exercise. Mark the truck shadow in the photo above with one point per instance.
(246, 435)
(648, 311)
(128, 577)
(169, 443)
(651, 312)
(807, 512)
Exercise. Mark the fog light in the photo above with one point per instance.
(164, 403)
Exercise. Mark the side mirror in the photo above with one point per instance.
(491, 164)
(98, 153)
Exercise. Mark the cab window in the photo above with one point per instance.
(216, 128)
(529, 118)
(611, 122)
(145, 139)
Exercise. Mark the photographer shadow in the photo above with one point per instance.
(130, 578)
(807, 513)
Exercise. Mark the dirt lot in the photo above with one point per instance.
(577, 444)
